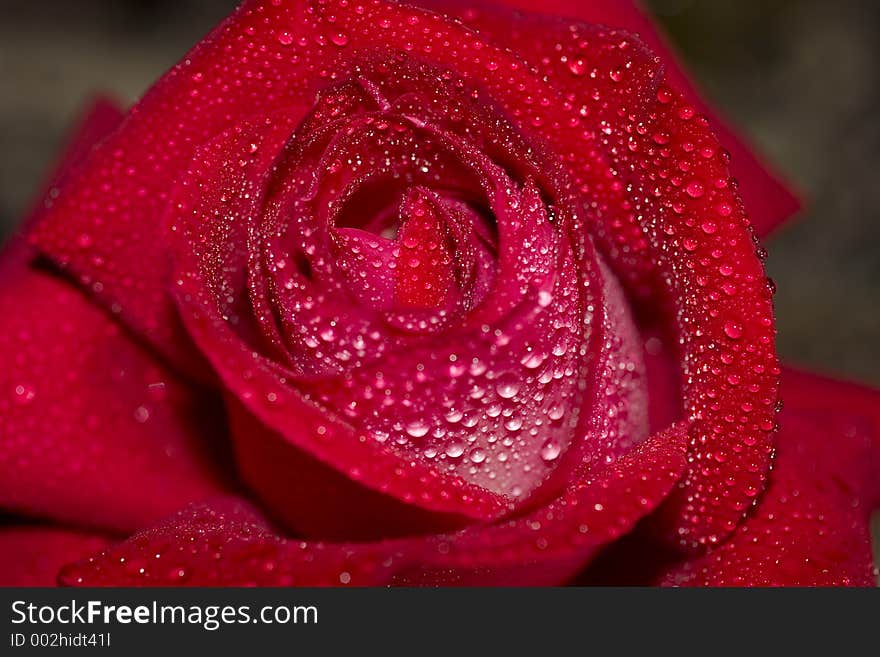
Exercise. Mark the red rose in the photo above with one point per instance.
(364, 293)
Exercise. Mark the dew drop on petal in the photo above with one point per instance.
(507, 388)
(733, 330)
(417, 428)
(550, 451)
(695, 189)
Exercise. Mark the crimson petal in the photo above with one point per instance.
(32, 555)
(767, 196)
(78, 393)
(227, 542)
(670, 220)
(812, 525)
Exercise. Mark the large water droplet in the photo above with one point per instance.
(550, 451)
(507, 388)
(695, 189)
(417, 428)
(733, 330)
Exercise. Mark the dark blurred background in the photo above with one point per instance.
(798, 76)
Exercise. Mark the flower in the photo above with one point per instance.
(368, 293)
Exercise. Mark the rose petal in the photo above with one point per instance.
(767, 196)
(228, 543)
(805, 391)
(811, 526)
(221, 199)
(622, 173)
(32, 555)
(670, 221)
(92, 430)
(97, 120)
(424, 276)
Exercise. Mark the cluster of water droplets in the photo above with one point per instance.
(429, 285)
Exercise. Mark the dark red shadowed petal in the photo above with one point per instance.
(807, 391)
(32, 555)
(811, 525)
(767, 197)
(663, 373)
(314, 499)
(77, 394)
(227, 542)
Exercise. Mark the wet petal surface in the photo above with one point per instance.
(77, 393)
(436, 285)
(811, 527)
(32, 555)
(227, 542)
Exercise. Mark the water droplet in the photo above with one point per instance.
(733, 330)
(417, 428)
(533, 360)
(695, 189)
(577, 66)
(24, 394)
(339, 39)
(513, 424)
(507, 388)
(556, 412)
(550, 451)
(478, 456)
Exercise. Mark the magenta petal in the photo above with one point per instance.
(97, 120)
(32, 555)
